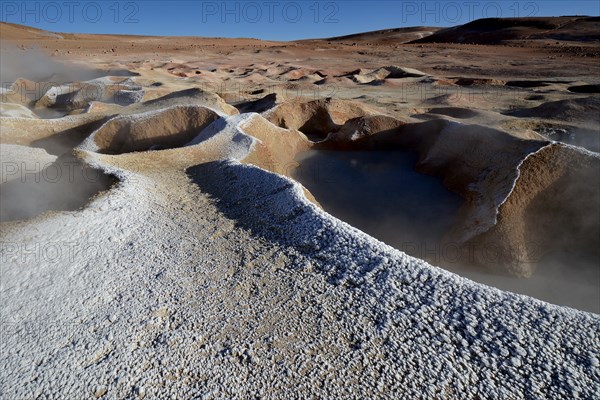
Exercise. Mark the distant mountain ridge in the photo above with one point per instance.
(482, 31)
(501, 30)
(402, 35)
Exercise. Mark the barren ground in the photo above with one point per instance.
(178, 257)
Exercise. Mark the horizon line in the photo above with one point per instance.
(293, 40)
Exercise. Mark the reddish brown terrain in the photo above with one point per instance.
(183, 135)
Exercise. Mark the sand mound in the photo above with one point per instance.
(128, 96)
(333, 81)
(195, 96)
(358, 71)
(316, 119)
(553, 207)
(153, 130)
(23, 91)
(59, 135)
(258, 106)
(361, 127)
(475, 81)
(528, 84)
(395, 72)
(311, 78)
(99, 107)
(251, 78)
(79, 94)
(248, 137)
(454, 112)
(54, 135)
(181, 70)
(391, 72)
(576, 134)
(276, 148)
(293, 73)
(16, 110)
(222, 139)
(580, 110)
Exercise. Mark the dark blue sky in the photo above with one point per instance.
(270, 19)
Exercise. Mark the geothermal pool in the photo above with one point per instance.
(380, 193)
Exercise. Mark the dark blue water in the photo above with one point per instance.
(380, 193)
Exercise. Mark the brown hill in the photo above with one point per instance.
(14, 32)
(397, 35)
(501, 30)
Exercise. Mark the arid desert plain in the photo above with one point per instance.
(411, 213)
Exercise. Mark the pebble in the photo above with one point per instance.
(100, 391)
